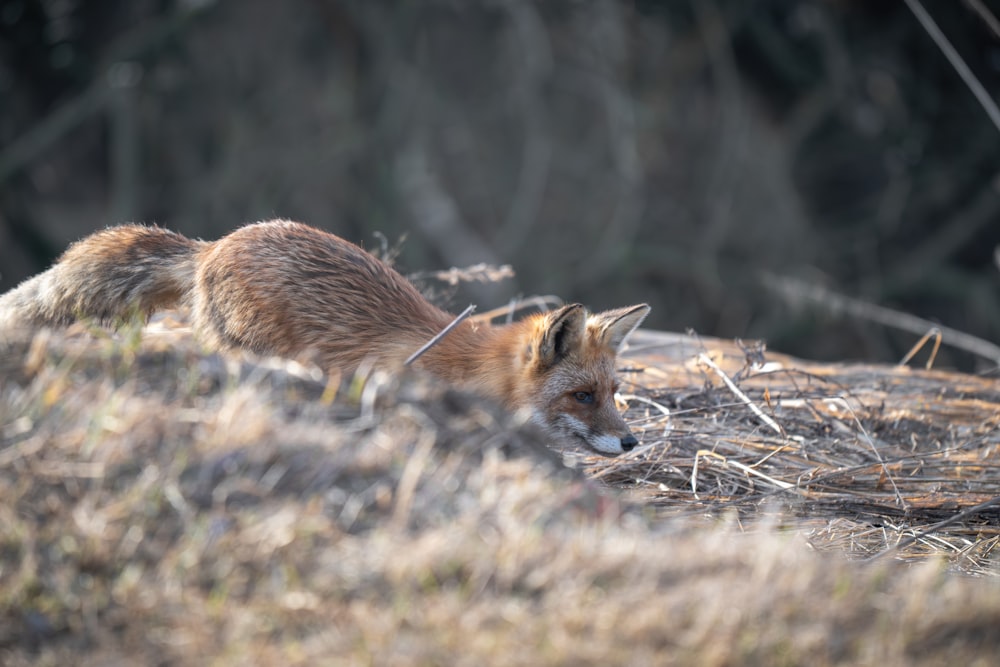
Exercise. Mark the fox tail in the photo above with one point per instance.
(107, 276)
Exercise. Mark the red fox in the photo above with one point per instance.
(284, 288)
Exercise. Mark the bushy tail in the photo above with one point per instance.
(107, 276)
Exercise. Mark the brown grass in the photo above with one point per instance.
(875, 461)
(164, 505)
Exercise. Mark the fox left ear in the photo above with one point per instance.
(562, 334)
(612, 327)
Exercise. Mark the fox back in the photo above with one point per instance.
(284, 288)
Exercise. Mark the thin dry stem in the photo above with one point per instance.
(441, 334)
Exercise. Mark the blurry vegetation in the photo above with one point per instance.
(160, 505)
(610, 151)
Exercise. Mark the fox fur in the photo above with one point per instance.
(283, 288)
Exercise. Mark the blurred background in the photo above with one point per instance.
(705, 156)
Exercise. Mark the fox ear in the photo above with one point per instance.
(612, 327)
(562, 332)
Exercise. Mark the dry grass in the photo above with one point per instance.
(876, 461)
(163, 505)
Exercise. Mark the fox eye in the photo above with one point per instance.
(584, 397)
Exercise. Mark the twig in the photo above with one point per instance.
(703, 358)
(933, 333)
(796, 290)
(783, 485)
(986, 15)
(964, 514)
(441, 334)
(989, 106)
(648, 401)
(482, 273)
(871, 443)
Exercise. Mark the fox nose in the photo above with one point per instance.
(629, 442)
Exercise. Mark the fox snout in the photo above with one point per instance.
(606, 443)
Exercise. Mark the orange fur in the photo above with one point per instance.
(284, 288)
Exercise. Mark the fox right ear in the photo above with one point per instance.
(563, 331)
(612, 327)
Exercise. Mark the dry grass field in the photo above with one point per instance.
(165, 505)
(819, 174)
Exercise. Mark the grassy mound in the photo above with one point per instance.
(163, 505)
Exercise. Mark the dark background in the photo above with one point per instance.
(611, 151)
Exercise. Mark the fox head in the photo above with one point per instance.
(571, 359)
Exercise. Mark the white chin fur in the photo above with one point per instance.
(607, 444)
